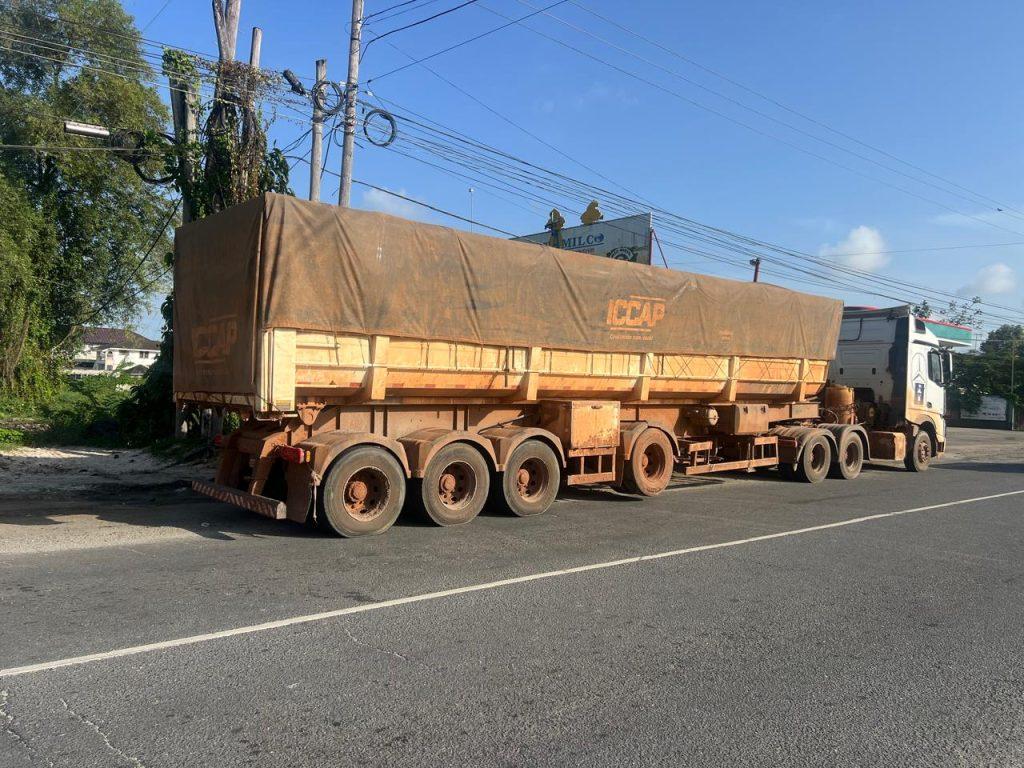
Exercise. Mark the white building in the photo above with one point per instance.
(105, 350)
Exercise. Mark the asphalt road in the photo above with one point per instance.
(785, 625)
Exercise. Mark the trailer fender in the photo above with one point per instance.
(801, 435)
(328, 446)
(629, 432)
(839, 430)
(506, 439)
(421, 446)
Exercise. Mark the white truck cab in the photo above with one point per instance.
(897, 369)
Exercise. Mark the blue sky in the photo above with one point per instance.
(937, 84)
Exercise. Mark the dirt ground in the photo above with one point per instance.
(56, 499)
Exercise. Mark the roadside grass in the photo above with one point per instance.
(80, 412)
(97, 412)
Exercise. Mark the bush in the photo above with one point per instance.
(11, 438)
(84, 411)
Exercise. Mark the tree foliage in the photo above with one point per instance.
(966, 312)
(996, 369)
(81, 234)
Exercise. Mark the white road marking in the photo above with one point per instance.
(365, 607)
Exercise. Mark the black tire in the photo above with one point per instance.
(455, 485)
(650, 464)
(919, 453)
(362, 493)
(815, 459)
(850, 460)
(529, 484)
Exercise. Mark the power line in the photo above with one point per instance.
(688, 227)
(784, 106)
(372, 18)
(418, 23)
(724, 116)
(156, 15)
(465, 42)
(581, 30)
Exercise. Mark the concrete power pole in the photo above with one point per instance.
(351, 93)
(184, 100)
(756, 264)
(316, 158)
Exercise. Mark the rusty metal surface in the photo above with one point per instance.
(263, 505)
(582, 423)
(742, 419)
(888, 446)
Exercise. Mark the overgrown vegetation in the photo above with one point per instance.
(77, 228)
(84, 240)
(78, 412)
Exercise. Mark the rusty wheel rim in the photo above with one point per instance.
(653, 462)
(531, 479)
(456, 486)
(924, 451)
(366, 494)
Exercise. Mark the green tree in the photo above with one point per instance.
(996, 369)
(82, 233)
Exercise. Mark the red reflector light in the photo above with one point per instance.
(218, 440)
(292, 453)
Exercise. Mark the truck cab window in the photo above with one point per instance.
(935, 366)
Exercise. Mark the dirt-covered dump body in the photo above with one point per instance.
(279, 298)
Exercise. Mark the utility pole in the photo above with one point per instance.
(351, 92)
(254, 49)
(316, 159)
(756, 264)
(183, 112)
(472, 226)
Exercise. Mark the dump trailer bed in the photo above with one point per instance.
(279, 302)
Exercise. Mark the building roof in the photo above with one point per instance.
(121, 338)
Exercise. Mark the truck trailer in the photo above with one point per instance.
(377, 361)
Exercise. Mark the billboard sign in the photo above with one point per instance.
(992, 408)
(626, 239)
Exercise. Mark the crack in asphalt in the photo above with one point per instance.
(19, 738)
(102, 734)
(384, 651)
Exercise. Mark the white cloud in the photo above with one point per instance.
(990, 280)
(375, 200)
(861, 249)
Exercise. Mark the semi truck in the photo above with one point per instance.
(378, 363)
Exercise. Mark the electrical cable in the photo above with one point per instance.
(464, 42)
(748, 126)
(415, 24)
(974, 199)
(782, 105)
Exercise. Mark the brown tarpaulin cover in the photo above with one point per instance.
(279, 262)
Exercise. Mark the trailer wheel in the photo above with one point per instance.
(455, 485)
(815, 459)
(848, 464)
(363, 492)
(649, 468)
(529, 484)
(919, 456)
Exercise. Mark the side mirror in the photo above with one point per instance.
(947, 368)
